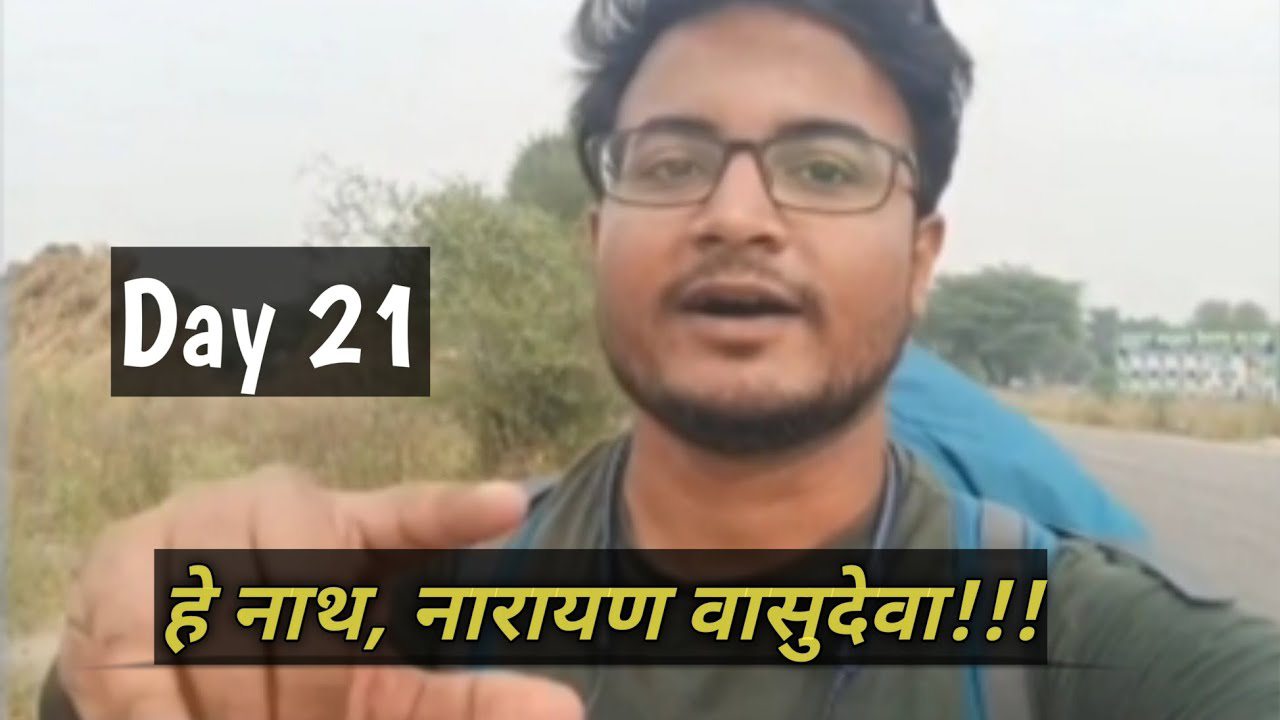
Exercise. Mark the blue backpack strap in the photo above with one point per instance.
(998, 692)
(967, 518)
(1006, 689)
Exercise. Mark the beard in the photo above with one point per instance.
(766, 426)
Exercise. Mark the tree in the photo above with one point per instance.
(546, 175)
(1150, 324)
(1009, 322)
(1213, 315)
(1224, 316)
(1104, 330)
(1249, 316)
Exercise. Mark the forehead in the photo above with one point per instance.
(752, 70)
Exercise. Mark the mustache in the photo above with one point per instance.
(738, 265)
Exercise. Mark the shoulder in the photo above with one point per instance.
(1131, 639)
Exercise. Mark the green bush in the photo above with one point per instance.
(515, 359)
(513, 311)
(1105, 382)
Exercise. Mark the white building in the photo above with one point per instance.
(1205, 364)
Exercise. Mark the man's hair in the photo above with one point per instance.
(905, 39)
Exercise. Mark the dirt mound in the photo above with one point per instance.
(60, 313)
(60, 309)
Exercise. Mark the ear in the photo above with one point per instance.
(927, 247)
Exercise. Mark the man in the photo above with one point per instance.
(769, 175)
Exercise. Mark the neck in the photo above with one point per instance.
(681, 497)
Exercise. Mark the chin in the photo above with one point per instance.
(749, 411)
(748, 393)
(743, 399)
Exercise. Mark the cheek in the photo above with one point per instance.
(634, 263)
(864, 276)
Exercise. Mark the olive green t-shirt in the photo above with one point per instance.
(1151, 652)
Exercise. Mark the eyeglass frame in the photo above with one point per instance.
(730, 147)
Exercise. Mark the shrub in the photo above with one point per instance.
(512, 308)
(515, 361)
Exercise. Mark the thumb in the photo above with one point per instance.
(381, 693)
(432, 515)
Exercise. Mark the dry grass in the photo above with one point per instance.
(80, 459)
(1195, 417)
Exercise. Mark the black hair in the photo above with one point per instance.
(905, 39)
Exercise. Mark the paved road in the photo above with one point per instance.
(1215, 505)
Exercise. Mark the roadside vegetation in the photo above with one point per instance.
(1204, 418)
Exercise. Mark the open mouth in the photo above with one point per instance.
(738, 301)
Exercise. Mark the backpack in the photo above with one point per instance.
(977, 446)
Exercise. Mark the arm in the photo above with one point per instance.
(1156, 652)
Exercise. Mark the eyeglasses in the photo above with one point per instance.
(825, 168)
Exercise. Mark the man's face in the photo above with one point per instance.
(743, 326)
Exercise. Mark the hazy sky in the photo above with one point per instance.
(1130, 144)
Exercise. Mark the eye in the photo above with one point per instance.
(671, 168)
(826, 172)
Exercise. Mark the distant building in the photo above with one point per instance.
(1190, 363)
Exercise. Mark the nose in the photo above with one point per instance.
(740, 209)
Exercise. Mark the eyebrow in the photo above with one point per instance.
(682, 123)
(792, 128)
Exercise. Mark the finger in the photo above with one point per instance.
(108, 639)
(433, 515)
(130, 694)
(226, 518)
(502, 696)
(408, 694)
(315, 693)
(155, 707)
